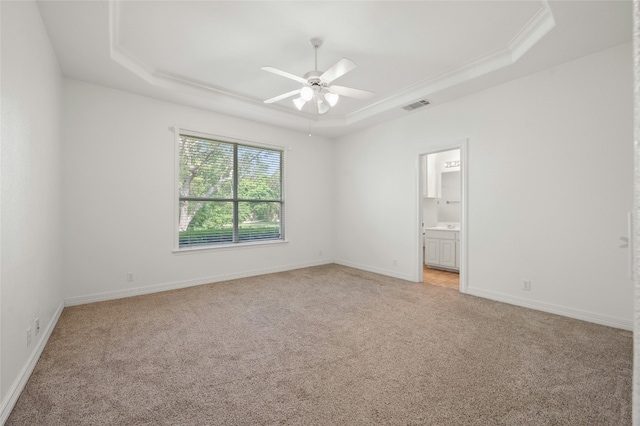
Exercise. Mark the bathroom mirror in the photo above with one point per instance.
(449, 200)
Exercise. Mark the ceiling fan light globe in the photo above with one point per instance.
(322, 107)
(332, 98)
(299, 103)
(306, 93)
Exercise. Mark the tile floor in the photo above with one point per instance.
(441, 278)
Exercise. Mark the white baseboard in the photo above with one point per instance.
(553, 309)
(381, 271)
(120, 294)
(21, 381)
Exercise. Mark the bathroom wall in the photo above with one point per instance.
(430, 204)
(449, 211)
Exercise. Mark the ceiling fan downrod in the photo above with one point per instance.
(315, 43)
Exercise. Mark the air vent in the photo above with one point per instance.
(416, 105)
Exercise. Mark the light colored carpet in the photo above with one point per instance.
(328, 345)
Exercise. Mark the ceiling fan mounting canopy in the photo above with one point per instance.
(316, 85)
(315, 43)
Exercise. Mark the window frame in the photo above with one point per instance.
(237, 243)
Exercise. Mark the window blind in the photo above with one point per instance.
(228, 192)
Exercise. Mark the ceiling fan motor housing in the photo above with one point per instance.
(313, 77)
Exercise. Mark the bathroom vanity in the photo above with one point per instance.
(442, 248)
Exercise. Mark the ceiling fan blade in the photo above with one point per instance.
(338, 69)
(283, 96)
(351, 92)
(284, 74)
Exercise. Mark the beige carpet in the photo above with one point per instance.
(326, 345)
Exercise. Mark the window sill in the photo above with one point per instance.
(224, 247)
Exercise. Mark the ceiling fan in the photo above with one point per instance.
(316, 85)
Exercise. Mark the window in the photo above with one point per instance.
(228, 193)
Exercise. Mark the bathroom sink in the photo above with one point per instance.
(444, 228)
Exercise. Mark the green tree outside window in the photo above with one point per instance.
(228, 192)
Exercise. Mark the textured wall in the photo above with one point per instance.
(31, 188)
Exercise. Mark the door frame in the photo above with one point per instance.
(463, 146)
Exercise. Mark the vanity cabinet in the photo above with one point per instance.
(448, 253)
(431, 251)
(442, 249)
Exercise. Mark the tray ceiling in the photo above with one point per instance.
(208, 54)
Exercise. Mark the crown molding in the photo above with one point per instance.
(230, 103)
(532, 32)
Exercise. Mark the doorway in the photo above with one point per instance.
(442, 215)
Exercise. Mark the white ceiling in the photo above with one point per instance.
(208, 54)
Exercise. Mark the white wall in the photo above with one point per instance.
(30, 274)
(550, 184)
(119, 197)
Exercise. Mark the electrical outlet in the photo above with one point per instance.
(130, 277)
(28, 336)
(395, 262)
(320, 252)
(37, 326)
(526, 285)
